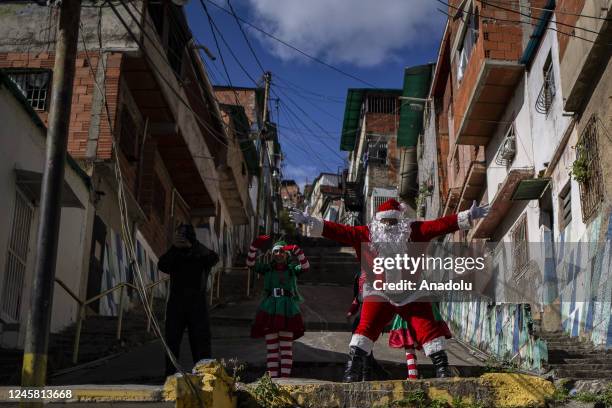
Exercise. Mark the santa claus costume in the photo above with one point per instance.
(278, 317)
(378, 307)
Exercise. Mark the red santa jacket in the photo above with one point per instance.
(420, 231)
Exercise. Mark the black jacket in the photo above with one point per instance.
(188, 267)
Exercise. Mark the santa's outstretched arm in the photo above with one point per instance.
(464, 220)
(317, 227)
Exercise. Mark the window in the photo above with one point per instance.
(470, 36)
(34, 84)
(377, 151)
(565, 206)
(587, 159)
(507, 149)
(159, 199)
(128, 139)
(547, 93)
(15, 268)
(520, 249)
(381, 104)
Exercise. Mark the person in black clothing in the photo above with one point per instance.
(188, 263)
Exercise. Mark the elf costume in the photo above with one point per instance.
(278, 317)
(379, 307)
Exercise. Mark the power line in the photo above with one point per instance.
(202, 122)
(530, 17)
(323, 111)
(212, 30)
(293, 47)
(300, 88)
(557, 11)
(509, 21)
(245, 37)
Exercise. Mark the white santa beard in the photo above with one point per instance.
(383, 233)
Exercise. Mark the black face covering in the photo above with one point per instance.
(188, 232)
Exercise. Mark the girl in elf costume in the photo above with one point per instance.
(278, 317)
(400, 337)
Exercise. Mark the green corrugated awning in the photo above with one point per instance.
(350, 125)
(416, 85)
(530, 189)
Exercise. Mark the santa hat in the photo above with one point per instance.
(390, 209)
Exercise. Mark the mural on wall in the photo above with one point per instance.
(117, 269)
(586, 297)
(579, 278)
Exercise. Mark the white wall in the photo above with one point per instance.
(23, 147)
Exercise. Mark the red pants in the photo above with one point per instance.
(376, 313)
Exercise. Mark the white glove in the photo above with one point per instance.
(299, 217)
(476, 212)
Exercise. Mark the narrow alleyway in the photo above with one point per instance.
(320, 354)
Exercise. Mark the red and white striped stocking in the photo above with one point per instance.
(411, 363)
(273, 357)
(286, 352)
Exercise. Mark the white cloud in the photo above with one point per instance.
(360, 32)
(301, 174)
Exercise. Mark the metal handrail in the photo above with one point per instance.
(83, 303)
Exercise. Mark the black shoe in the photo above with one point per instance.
(440, 363)
(355, 365)
(378, 371)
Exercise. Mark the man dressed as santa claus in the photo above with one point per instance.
(387, 232)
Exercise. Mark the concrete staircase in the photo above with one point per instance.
(572, 358)
(98, 340)
(330, 266)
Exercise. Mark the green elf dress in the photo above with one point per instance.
(279, 310)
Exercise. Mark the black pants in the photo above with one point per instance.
(187, 311)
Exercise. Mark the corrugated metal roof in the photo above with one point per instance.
(416, 85)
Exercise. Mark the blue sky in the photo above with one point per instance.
(373, 40)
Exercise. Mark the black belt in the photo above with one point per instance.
(279, 292)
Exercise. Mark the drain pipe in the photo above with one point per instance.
(408, 186)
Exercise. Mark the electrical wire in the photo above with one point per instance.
(212, 30)
(123, 211)
(245, 37)
(510, 21)
(530, 17)
(557, 11)
(292, 47)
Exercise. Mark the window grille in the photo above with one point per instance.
(381, 104)
(17, 256)
(377, 152)
(520, 248)
(547, 93)
(507, 150)
(34, 84)
(565, 206)
(591, 189)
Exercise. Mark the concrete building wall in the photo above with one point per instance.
(24, 149)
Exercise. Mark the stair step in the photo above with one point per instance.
(586, 373)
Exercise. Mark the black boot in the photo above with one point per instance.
(355, 366)
(440, 363)
(378, 371)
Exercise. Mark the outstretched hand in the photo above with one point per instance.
(299, 217)
(476, 212)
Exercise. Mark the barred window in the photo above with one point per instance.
(565, 206)
(382, 104)
(548, 90)
(377, 151)
(34, 84)
(587, 159)
(520, 249)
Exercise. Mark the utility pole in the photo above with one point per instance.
(34, 371)
(264, 130)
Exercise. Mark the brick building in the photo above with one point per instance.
(179, 154)
(517, 118)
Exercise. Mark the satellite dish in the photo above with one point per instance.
(180, 2)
